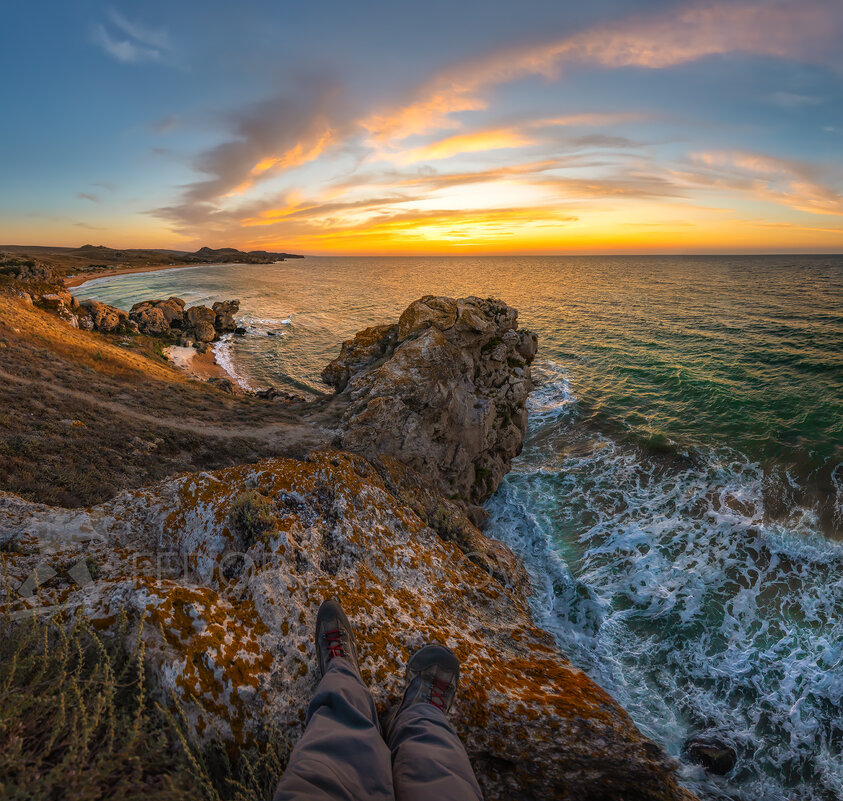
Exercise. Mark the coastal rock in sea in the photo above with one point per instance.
(714, 754)
(201, 319)
(150, 320)
(172, 308)
(444, 391)
(224, 311)
(173, 311)
(229, 602)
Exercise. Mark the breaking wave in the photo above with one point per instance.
(661, 575)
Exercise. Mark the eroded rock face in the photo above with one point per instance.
(151, 321)
(224, 311)
(198, 324)
(103, 317)
(444, 391)
(229, 613)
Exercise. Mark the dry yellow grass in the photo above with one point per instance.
(83, 415)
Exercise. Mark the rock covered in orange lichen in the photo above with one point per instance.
(229, 613)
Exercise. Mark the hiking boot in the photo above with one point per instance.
(334, 636)
(433, 673)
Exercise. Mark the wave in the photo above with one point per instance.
(664, 579)
(224, 354)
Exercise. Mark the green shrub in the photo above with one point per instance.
(251, 516)
(78, 722)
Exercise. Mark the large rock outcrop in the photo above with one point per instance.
(443, 390)
(195, 324)
(228, 568)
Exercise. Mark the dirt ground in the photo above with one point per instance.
(83, 415)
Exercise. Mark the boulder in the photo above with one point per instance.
(444, 391)
(204, 331)
(226, 307)
(140, 306)
(106, 319)
(199, 314)
(151, 321)
(234, 647)
(60, 304)
(173, 311)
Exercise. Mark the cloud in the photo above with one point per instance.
(806, 30)
(165, 124)
(130, 42)
(157, 38)
(285, 133)
(799, 185)
(88, 196)
(478, 141)
(792, 100)
(267, 139)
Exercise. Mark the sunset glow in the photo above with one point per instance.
(692, 127)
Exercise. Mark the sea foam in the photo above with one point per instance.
(663, 578)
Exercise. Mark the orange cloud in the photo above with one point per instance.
(476, 142)
(783, 181)
(299, 154)
(808, 29)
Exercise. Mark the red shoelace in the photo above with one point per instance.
(438, 688)
(335, 646)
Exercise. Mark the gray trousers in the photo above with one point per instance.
(342, 755)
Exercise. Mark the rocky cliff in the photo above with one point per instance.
(220, 573)
(443, 390)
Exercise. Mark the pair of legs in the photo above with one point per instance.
(343, 756)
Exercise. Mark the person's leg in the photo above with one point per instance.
(428, 759)
(341, 756)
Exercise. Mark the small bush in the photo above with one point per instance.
(78, 722)
(251, 516)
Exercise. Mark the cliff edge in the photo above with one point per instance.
(220, 573)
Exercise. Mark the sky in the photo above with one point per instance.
(458, 127)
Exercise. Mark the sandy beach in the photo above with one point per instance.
(201, 366)
(78, 279)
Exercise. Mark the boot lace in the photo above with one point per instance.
(438, 689)
(335, 646)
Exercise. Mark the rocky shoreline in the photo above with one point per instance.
(220, 573)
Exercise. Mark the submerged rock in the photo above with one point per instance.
(714, 754)
(229, 613)
(444, 391)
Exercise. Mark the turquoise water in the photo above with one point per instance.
(679, 501)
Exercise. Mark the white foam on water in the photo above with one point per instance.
(263, 325)
(224, 354)
(663, 579)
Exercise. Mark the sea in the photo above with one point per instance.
(679, 499)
